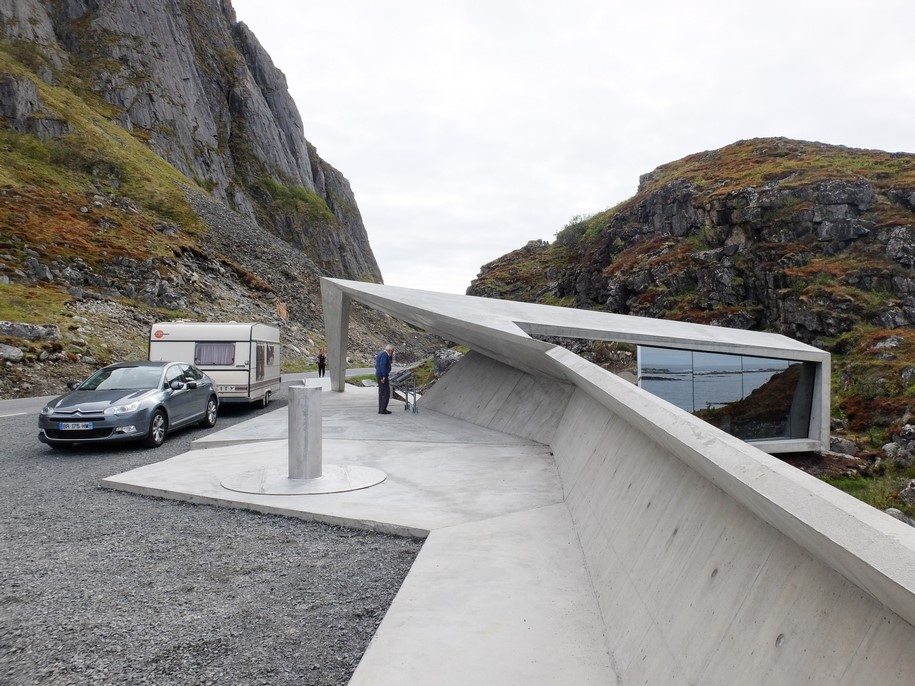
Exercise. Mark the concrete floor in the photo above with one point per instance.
(499, 593)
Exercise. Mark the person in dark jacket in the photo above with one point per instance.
(322, 362)
(383, 375)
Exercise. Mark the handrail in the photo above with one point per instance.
(406, 380)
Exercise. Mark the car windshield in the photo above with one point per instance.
(123, 378)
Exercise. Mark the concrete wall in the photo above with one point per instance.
(498, 397)
(711, 562)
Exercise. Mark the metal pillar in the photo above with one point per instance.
(305, 460)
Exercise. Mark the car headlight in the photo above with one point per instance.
(46, 410)
(123, 409)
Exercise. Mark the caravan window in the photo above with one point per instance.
(259, 368)
(214, 353)
(271, 355)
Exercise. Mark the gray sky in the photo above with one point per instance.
(469, 127)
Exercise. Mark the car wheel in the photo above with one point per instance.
(209, 418)
(158, 427)
(266, 399)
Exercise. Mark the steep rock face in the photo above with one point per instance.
(810, 240)
(153, 166)
(200, 89)
(796, 253)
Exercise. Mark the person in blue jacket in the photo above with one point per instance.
(383, 375)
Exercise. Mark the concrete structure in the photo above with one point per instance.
(306, 473)
(305, 445)
(711, 561)
(502, 331)
(580, 530)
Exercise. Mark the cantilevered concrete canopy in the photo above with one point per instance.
(502, 330)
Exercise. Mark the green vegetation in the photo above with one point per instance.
(296, 367)
(53, 179)
(95, 144)
(755, 162)
(39, 304)
(298, 200)
(520, 274)
(357, 380)
(425, 372)
(879, 491)
(582, 229)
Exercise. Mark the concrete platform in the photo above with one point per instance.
(500, 592)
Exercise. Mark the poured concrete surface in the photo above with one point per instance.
(499, 601)
(276, 480)
(711, 561)
(499, 593)
(633, 549)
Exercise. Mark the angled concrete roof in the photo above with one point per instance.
(467, 319)
(502, 330)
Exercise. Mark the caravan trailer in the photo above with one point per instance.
(243, 359)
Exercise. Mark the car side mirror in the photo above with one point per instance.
(176, 385)
(72, 385)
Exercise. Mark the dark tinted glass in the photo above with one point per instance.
(753, 398)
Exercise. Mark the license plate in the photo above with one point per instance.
(75, 426)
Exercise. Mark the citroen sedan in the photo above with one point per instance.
(130, 401)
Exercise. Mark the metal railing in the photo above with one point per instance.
(405, 382)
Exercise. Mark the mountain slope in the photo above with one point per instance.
(153, 166)
(813, 241)
(196, 86)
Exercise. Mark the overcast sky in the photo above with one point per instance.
(469, 127)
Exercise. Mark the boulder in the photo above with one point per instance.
(10, 353)
(443, 359)
(907, 494)
(30, 332)
(842, 445)
(898, 514)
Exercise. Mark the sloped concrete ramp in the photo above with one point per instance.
(713, 566)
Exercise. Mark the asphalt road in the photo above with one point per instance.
(106, 587)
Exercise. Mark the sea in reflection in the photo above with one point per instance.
(749, 397)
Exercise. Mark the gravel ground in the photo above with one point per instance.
(103, 587)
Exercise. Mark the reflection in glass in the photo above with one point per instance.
(753, 398)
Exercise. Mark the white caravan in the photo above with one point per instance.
(242, 359)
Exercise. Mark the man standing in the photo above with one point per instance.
(383, 375)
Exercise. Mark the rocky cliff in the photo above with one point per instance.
(196, 86)
(813, 241)
(153, 166)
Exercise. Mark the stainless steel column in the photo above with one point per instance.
(304, 432)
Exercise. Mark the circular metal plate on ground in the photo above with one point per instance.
(335, 478)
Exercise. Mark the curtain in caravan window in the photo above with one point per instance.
(214, 353)
(260, 361)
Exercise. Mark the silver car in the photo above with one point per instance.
(130, 401)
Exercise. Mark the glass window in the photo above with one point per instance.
(753, 398)
(667, 374)
(259, 374)
(271, 355)
(214, 353)
(192, 373)
(189, 373)
(123, 378)
(174, 373)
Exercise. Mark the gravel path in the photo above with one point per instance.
(103, 587)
